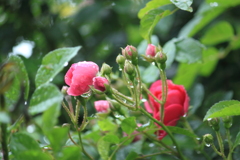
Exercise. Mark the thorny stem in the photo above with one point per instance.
(164, 92)
(71, 115)
(220, 142)
(77, 110)
(70, 137)
(150, 93)
(122, 103)
(81, 127)
(81, 144)
(229, 157)
(129, 99)
(165, 129)
(136, 96)
(139, 86)
(126, 81)
(69, 101)
(215, 150)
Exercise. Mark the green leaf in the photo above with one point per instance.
(44, 97)
(132, 155)
(186, 70)
(111, 138)
(152, 5)
(218, 33)
(196, 95)
(103, 148)
(182, 131)
(170, 49)
(223, 3)
(21, 78)
(149, 21)
(150, 74)
(107, 125)
(189, 50)
(4, 117)
(210, 60)
(58, 138)
(237, 141)
(129, 125)
(50, 117)
(204, 15)
(32, 154)
(53, 63)
(21, 142)
(71, 153)
(183, 4)
(223, 108)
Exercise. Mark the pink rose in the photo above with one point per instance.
(101, 105)
(79, 76)
(98, 83)
(151, 50)
(175, 107)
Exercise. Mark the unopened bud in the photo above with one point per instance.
(227, 121)
(64, 90)
(99, 83)
(129, 51)
(160, 57)
(106, 69)
(151, 50)
(120, 60)
(214, 123)
(129, 69)
(208, 139)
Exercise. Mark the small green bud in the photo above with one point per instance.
(129, 68)
(214, 123)
(208, 139)
(227, 121)
(161, 57)
(120, 60)
(64, 90)
(106, 69)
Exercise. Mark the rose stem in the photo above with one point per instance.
(167, 130)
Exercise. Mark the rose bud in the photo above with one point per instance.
(120, 60)
(176, 105)
(98, 83)
(106, 69)
(80, 76)
(151, 50)
(102, 106)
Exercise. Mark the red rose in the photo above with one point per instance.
(98, 83)
(175, 107)
(80, 76)
(101, 105)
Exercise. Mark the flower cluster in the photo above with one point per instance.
(82, 75)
